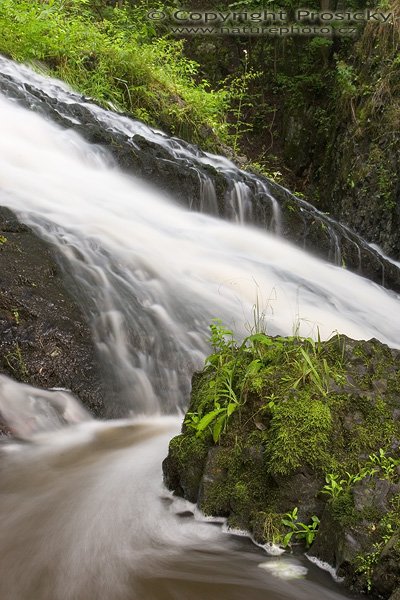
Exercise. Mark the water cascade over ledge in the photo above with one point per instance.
(202, 181)
(152, 275)
(83, 512)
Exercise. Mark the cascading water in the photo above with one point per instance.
(83, 516)
(154, 275)
(83, 513)
(199, 180)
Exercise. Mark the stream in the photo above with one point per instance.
(83, 512)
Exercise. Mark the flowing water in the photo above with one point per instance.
(83, 512)
(84, 516)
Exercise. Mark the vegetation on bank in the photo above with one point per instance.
(316, 113)
(297, 440)
(322, 116)
(113, 55)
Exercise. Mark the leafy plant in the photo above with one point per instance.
(386, 464)
(114, 56)
(366, 564)
(298, 530)
(335, 485)
(238, 91)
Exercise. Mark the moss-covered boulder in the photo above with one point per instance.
(298, 441)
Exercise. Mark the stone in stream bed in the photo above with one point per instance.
(300, 411)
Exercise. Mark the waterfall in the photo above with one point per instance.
(153, 274)
(83, 513)
(196, 179)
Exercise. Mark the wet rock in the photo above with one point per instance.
(376, 494)
(395, 595)
(386, 574)
(44, 338)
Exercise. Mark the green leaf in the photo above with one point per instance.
(218, 428)
(261, 338)
(232, 406)
(253, 367)
(208, 419)
(289, 523)
(287, 538)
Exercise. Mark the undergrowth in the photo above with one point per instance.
(291, 378)
(114, 56)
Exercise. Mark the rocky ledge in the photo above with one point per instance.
(297, 442)
(44, 338)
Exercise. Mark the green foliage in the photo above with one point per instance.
(300, 421)
(303, 413)
(16, 362)
(113, 56)
(346, 79)
(366, 564)
(387, 465)
(336, 486)
(221, 391)
(298, 530)
(262, 169)
(238, 90)
(378, 464)
(386, 530)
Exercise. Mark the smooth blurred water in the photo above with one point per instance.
(84, 516)
(83, 512)
(152, 275)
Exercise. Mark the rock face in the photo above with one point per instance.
(282, 432)
(44, 339)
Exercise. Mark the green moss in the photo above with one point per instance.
(377, 428)
(384, 547)
(267, 526)
(299, 435)
(186, 461)
(305, 409)
(114, 57)
(236, 484)
(343, 510)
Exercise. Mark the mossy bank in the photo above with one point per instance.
(297, 441)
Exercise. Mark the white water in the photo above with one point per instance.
(154, 274)
(83, 515)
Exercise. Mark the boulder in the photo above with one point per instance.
(283, 432)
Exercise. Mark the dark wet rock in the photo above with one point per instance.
(386, 574)
(395, 595)
(44, 338)
(374, 494)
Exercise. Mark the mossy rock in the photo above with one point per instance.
(301, 410)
